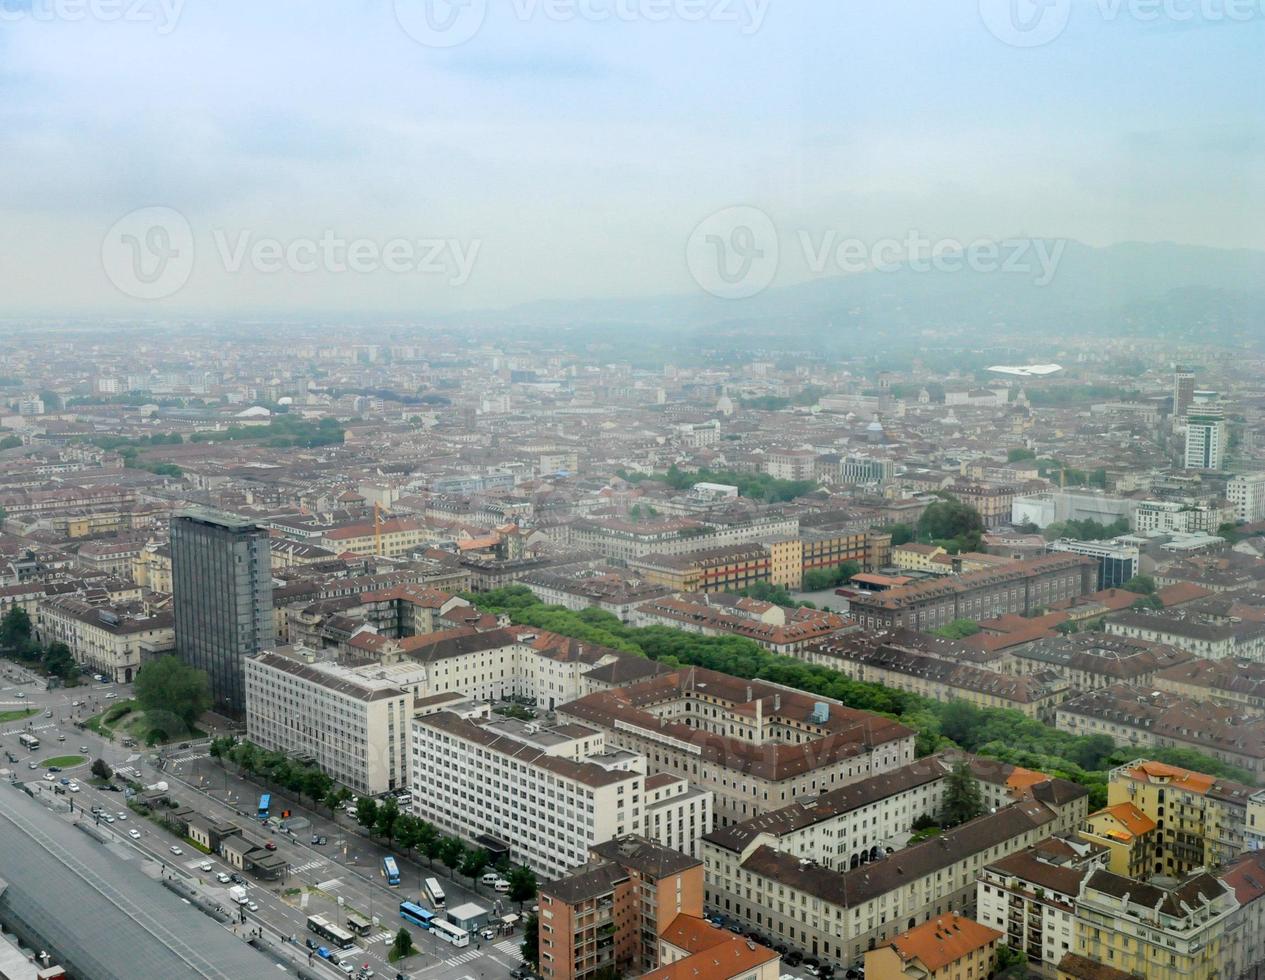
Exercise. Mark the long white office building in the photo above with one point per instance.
(549, 792)
(352, 721)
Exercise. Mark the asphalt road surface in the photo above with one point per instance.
(329, 880)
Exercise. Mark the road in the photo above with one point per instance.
(320, 880)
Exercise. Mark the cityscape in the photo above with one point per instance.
(533, 504)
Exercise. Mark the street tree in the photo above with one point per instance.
(388, 814)
(402, 946)
(367, 812)
(474, 864)
(523, 886)
(962, 798)
(452, 852)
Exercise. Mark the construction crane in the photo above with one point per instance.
(377, 529)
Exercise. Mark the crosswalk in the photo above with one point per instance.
(309, 866)
(127, 772)
(189, 757)
(511, 947)
(466, 957)
(383, 937)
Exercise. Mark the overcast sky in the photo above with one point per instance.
(551, 149)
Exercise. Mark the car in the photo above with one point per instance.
(310, 942)
(54, 768)
(253, 906)
(787, 976)
(812, 970)
(50, 777)
(270, 845)
(65, 780)
(20, 694)
(32, 765)
(48, 714)
(364, 973)
(184, 745)
(488, 934)
(322, 952)
(735, 927)
(236, 879)
(176, 850)
(347, 968)
(61, 738)
(134, 834)
(73, 787)
(108, 818)
(96, 808)
(122, 814)
(205, 867)
(76, 704)
(222, 878)
(110, 694)
(83, 749)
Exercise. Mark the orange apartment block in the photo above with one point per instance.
(610, 913)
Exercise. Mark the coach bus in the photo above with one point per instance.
(265, 804)
(434, 894)
(29, 742)
(414, 913)
(390, 870)
(449, 933)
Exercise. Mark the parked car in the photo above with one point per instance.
(111, 694)
(488, 934)
(134, 834)
(270, 845)
(61, 738)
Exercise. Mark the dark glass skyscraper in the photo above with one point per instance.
(221, 579)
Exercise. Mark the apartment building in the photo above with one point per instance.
(756, 746)
(1142, 717)
(776, 628)
(625, 540)
(1200, 635)
(993, 503)
(862, 822)
(1093, 660)
(727, 568)
(392, 537)
(677, 814)
(915, 557)
(353, 722)
(1246, 494)
(1021, 587)
(866, 657)
(606, 917)
(949, 946)
(610, 591)
(1161, 932)
(1030, 897)
(548, 791)
(111, 639)
(1171, 516)
(1128, 835)
(838, 916)
(1234, 683)
(1201, 821)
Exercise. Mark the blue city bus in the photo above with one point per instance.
(390, 870)
(265, 804)
(411, 912)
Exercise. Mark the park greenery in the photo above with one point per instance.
(963, 800)
(282, 432)
(951, 524)
(756, 486)
(402, 946)
(817, 579)
(999, 733)
(1086, 530)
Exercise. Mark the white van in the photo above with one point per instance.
(501, 885)
(490, 879)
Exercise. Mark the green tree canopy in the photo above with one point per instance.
(962, 798)
(957, 526)
(172, 686)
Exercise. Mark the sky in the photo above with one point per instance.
(164, 157)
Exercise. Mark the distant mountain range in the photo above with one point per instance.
(1160, 290)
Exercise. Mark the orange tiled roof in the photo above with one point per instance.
(1134, 822)
(942, 940)
(1195, 782)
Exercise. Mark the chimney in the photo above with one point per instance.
(748, 693)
